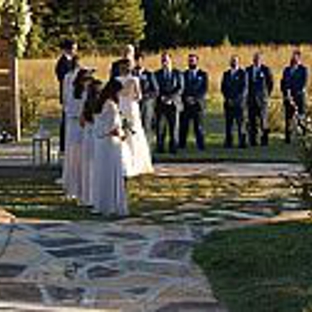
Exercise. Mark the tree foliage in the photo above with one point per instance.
(155, 24)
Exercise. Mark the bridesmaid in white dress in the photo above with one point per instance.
(136, 153)
(87, 153)
(75, 99)
(109, 195)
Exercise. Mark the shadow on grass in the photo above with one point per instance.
(34, 194)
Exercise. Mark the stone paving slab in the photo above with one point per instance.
(147, 267)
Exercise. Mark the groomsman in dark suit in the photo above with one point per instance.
(169, 104)
(149, 90)
(194, 100)
(63, 66)
(127, 54)
(234, 90)
(294, 89)
(260, 87)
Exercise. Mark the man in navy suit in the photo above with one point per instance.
(149, 90)
(194, 100)
(63, 66)
(294, 88)
(169, 104)
(234, 90)
(260, 87)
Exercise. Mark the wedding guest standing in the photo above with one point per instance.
(260, 87)
(149, 90)
(63, 66)
(109, 195)
(294, 89)
(234, 90)
(194, 100)
(74, 134)
(169, 104)
(87, 153)
(127, 54)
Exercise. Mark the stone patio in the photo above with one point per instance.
(103, 266)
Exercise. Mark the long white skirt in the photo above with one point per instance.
(72, 174)
(108, 191)
(136, 153)
(87, 159)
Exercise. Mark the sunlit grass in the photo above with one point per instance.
(29, 195)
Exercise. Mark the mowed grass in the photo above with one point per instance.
(262, 269)
(29, 193)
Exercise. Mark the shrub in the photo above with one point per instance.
(31, 99)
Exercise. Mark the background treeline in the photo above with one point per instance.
(104, 25)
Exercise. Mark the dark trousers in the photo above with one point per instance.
(195, 115)
(62, 133)
(294, 108)
(147, 107)
(166, 118)
(234, 114)
(258, 120)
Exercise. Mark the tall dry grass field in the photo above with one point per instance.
(39, 73)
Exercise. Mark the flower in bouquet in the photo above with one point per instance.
(127, 126)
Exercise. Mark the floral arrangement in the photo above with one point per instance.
(16, 23)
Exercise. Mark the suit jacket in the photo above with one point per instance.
(63, 66)
(294, 81)
(149, 86)
(260, 83)
(170, 87)
(196, 87)
(234, 86)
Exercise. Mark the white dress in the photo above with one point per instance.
(136, 153)
(72, 173)
(87, 158)
(108, 191)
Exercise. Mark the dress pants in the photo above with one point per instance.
(166, 118)
(196, 115)
(62, 133)
(297, 107)
(258, 120)
(234, 113)
(147, 107)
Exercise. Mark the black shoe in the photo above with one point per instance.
(160, 150)
(265, 138)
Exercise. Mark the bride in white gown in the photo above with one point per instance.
(135, 152)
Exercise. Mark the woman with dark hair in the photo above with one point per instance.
(87, 153)
(108, 188)
(74, 104)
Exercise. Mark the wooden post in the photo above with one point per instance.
(15, 107)
(9, 90)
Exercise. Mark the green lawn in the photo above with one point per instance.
(277, 151)
(262, 269)
(33, 193)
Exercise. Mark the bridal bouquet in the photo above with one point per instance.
(127, 126)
